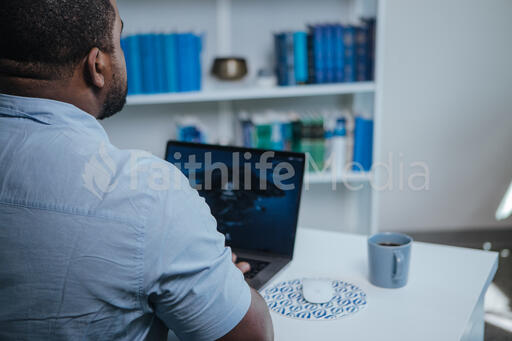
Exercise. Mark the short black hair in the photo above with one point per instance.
(46, 39)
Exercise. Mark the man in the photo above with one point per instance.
(91, 246)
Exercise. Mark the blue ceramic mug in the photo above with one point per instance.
(389, 255)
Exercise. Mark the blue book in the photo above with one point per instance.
(370, 67)
(185, 64)
(318, 55)
(363, 144)
(126, 52)
(339, 54)
(311, 60)
(350, 53)
(147, 64)
(277, 58)
(280, 51)
(133, 64)
(290, 58)
(328, 33)
(196, 62)
(170, 62)
(247, 133)
(159, 62)
(361, 53)
(300, 57)
(124, 47)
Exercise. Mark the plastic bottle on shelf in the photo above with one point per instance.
(190, 129)
(339, 147)
(277, 138)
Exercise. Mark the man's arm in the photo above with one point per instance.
(189, 280)
(256, 324)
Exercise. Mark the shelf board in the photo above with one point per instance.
(327, 177)
(253, 93)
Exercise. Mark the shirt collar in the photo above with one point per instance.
(47, 111)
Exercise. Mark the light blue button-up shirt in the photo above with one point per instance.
(98, 243)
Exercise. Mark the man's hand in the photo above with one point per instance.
(243, 266)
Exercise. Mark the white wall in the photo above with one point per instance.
(446, 99)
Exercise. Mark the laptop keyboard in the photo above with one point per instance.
(256, 266)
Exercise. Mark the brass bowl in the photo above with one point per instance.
(229, 68)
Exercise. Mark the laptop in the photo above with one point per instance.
(254, 195)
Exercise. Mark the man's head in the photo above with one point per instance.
(66, 50)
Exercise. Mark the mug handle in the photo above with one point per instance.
(399, 264)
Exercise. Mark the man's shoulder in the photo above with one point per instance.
(128, 182)
(76, 173)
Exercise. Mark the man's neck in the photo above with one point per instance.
(58, 90)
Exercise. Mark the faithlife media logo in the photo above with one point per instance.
(98, 173)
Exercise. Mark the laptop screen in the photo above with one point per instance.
(253, 194)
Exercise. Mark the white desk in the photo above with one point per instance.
(442, 301)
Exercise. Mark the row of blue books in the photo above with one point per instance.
(327, 53)
(158, 63)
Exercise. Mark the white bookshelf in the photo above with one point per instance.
(244, 28)
(213, 95)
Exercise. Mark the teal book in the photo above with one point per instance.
(300, 56)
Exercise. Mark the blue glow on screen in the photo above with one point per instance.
(251, 216)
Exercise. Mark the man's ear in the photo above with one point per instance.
(95, 67)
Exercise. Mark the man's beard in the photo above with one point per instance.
(115, 99)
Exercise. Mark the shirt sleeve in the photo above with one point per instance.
(190, 281)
